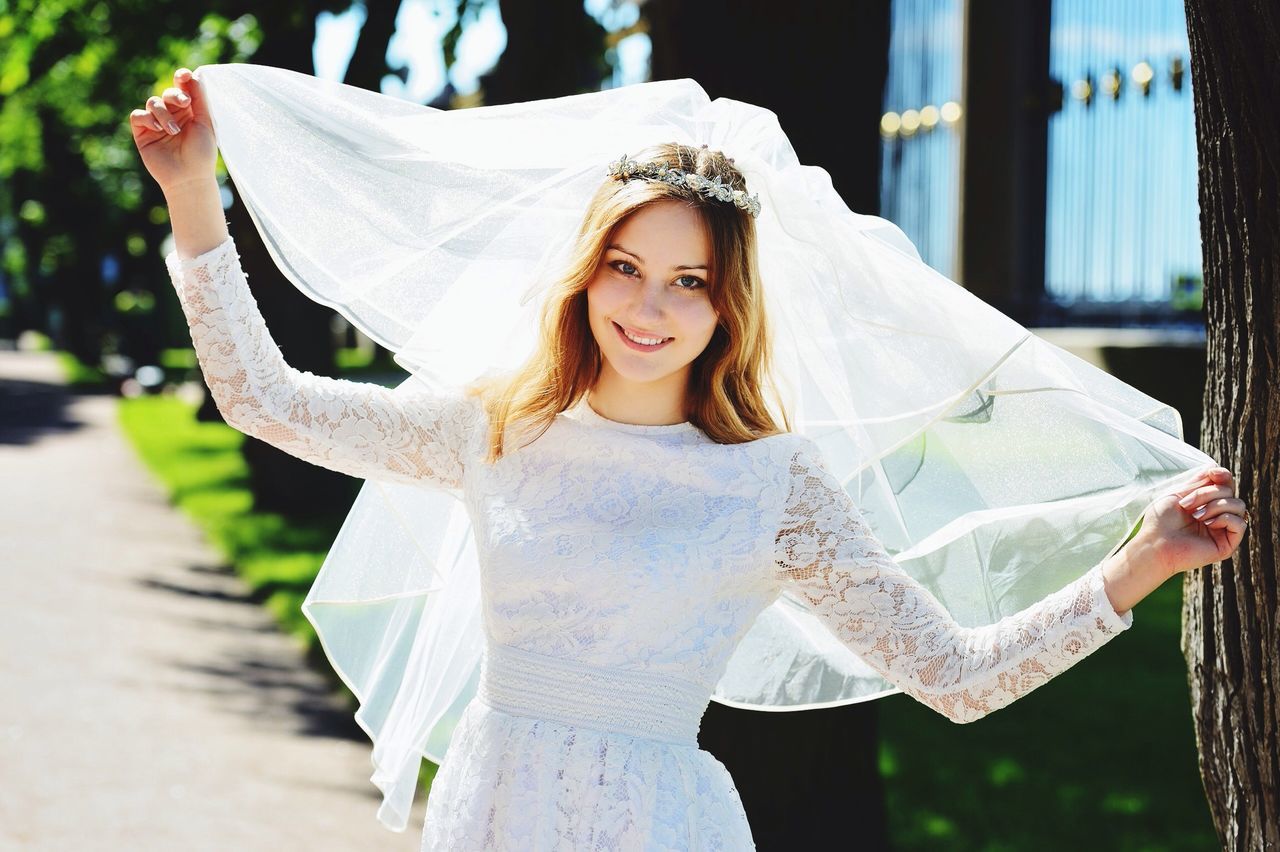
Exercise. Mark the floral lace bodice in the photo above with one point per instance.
(648, 548)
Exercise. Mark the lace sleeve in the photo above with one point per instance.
(827, 555)
(357, 428)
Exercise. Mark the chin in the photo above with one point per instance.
(653, 373)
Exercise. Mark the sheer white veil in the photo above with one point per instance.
(995, 466)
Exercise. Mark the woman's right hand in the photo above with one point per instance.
(187, 155)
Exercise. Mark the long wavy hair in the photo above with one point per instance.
(724, 396)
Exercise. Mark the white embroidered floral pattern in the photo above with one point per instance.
(827, 552)
(357, 428)
(621, 565)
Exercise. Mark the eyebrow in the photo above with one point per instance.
(641, 259)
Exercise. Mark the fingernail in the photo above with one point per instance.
(182, 98)
(1186, 501)
(1198, 512)
(173, 127)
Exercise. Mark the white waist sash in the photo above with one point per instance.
(624, 701)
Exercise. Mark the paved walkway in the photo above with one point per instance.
(145, 703)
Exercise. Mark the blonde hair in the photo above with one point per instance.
(724, 394)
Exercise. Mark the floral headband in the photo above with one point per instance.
(625, 169)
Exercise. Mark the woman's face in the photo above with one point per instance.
(652, 282)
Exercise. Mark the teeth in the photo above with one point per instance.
(644, 340)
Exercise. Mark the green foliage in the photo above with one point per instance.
(77, 374)
(1104, 750)
(466, 11)
(178, 359)
(71, 71)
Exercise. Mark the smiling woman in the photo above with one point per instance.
(661, 344)
(651, 319)
(550, 618)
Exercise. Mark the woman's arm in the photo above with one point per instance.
(828, 555)
(358, 428)
(195, 214)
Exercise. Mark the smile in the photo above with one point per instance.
(641, 347)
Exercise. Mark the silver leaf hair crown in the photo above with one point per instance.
(625, 169)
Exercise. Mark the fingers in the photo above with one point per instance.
(140, 118)
(1217, 508)
(1200, 496)
(175, 99)
(1227, 521)
(170, 110)
(157, 107)
(189, 85)
(1214, 475)
(1224, 477)
(1217, 476)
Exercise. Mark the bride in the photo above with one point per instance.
(637, 507)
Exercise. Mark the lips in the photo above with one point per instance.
(639, 347)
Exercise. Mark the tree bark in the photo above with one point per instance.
(554, 48)
(1231, 616)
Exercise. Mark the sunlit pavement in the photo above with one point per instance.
(145, 703)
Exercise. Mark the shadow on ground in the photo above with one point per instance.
(31, 410)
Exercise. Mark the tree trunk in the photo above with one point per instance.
(368, 63)
(821, 68)
(1231, 616)
(554, 48)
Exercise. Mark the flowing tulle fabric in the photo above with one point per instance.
(994, 466)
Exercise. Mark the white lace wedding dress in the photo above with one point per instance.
(620, 566)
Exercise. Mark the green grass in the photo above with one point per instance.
(1101, 757)
(201, 466)
(178, 359)
(351, 358)
(79, 375)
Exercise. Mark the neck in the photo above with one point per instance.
(658, 403)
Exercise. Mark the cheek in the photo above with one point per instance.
(603, 297)
(699, 322)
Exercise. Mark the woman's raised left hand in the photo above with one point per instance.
(1200, 523)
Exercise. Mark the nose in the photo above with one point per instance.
(649, 301)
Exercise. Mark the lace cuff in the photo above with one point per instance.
(1109, 621)
(206, 259)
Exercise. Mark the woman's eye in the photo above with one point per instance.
(695, 283)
